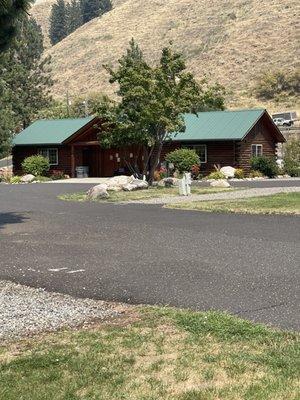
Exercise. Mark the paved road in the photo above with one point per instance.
(247, 265)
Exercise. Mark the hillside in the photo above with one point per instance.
(229, 41)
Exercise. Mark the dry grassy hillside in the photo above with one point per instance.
(41, 12)
(229, 41)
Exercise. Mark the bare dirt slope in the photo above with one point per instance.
(229, 41)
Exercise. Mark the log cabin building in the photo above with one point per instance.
(225, 138)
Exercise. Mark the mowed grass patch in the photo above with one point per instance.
(164, 354)
(151, 193)
(282, 203)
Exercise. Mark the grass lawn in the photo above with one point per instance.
(152, 192)
(282, 203)
(155, 354)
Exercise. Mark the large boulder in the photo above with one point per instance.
(27, 178)
(98, 192)
(140, 184)
(119, 180)
(130, 187)
(220, 183)
(228, 172)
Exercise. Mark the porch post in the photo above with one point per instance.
(72, 162)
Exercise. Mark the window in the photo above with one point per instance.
(201, 150)
(51, 154)
(257, 150)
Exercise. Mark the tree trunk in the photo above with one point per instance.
(155, 162)
(147, 158)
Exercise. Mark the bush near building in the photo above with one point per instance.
(183, 159)
(266, 165)
(292, 158)
(36, 165)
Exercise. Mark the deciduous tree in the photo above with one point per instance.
(154, 99)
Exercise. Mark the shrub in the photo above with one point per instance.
(160, 174)
(195, 171)
(36, 165)
(5, 174)
(266, 165)
(292, 158)
(15, 179)
(239, 173)
(57, 174)
(216, 175)
(183, 159)
(255, 174)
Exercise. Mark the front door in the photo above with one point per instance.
(91, 159)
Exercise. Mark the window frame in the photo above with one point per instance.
(257, 146)
(46, 150)
(194, 147)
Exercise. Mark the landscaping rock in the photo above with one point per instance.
(98, 192)
(140, 184)
(114, 188)
(221, 183)
(130, 187)
(169, 182)
(119, 180)
(228, 172)
(27, 178)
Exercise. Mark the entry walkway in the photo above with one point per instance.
(92, 181)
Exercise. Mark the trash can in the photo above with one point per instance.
(82, 172)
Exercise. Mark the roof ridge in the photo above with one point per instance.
(237, 110)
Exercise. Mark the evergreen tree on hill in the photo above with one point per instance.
(74, 16)
(25, 75)
(58, 22)
(94, 8)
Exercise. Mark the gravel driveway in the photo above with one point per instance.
(24, 311)
(238, 194)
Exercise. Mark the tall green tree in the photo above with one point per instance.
(58, 22)
(154, 99)
(11, 12)
(73, 16)
(26, 74)
(94, 8)
(7, 120)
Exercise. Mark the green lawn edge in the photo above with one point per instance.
(162, 353)
(282, 204)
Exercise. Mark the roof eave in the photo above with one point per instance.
(79, 131)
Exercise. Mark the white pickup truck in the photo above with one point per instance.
(283, 122)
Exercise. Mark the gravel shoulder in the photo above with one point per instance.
(25, 311)
(238, 194)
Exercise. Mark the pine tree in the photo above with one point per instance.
(74, 16)
(94, 8)
(11, 12)
(58, 22)
(26, 75)
(105, 6)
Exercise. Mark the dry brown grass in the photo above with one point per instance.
(229, 41)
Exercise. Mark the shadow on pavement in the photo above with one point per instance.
(11, 218)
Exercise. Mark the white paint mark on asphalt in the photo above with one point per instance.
(56, 269)
(76, 271)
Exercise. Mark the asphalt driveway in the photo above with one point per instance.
(247, 265)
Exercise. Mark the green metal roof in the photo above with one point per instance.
(46, 132)
(218, 125)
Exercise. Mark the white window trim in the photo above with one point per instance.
(256, 147)
(194, 146)
(47, 150)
